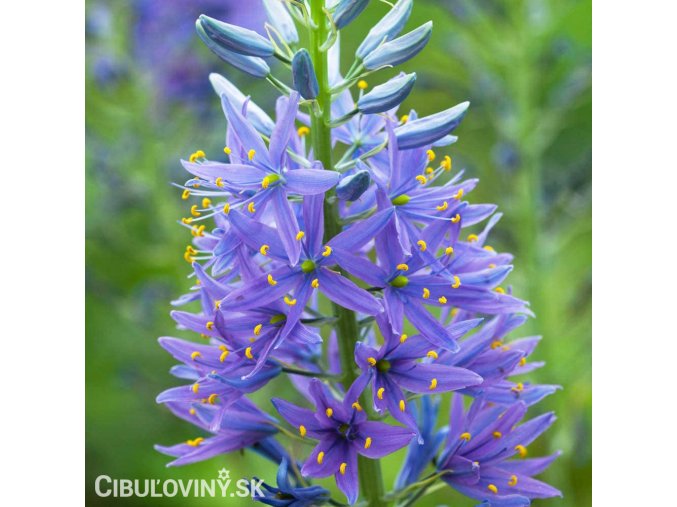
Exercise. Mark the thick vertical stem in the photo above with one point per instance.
(371, 483)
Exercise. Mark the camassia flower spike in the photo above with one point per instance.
(345, 220)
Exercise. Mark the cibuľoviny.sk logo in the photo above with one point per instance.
(223, 486)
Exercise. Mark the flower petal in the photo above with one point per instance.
(345, 293)
(310, 181)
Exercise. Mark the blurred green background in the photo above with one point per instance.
(526, 68)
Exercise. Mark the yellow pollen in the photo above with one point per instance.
(342, 468)
(422, 245)
(421, 179)
(227, 150)
(433, 384)
(320, 457)
(265, 182)
(505, 347)
(195, 355)
(195, 442)
(430, 154)
(404, 118)
(459, 194)
(454, 312)
(252, 339)
(449, 250)
(219, 182)
(500, 290)
(186, 220)
(497, 434)
(442, 300)
(271, 280)
(465, 436)
(380, 392)
(402, 267)
(315, 283)
(226, 208)
(302, 430)
(446, 163)
(327, 251)
(403, 338)
(371, 361)
(299, 235)
(357, 406)
(251, 153)
(429, 171)
(264, 249)
(191, 411)
(217, 304)
(223, 355)
(195, 388)
(191, 250)
(257, 329)
(188, 258)
(367, 443)
(402, 406)
(495, 344)
(513, 480)
(442, 206)
(251, 208)
(329, 412)
(457, 282)
(521, 450)
(456, 218)
(289, 301)
(196, 185)
(489, 248)
(492, 488)
(472, 237)
(206, 202)
(212, 398)
(248, 353)
(362, 84)
(523, 361)
(518, 388)
(303, 131)
(209, 325)
(185, 194)
(491, 266)
(432, 354)
(426, 293)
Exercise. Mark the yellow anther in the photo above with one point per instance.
(227, 150)
(454, 312)
(251, 208)
(185, 194)
(264, 249)
(422, 245)
(371, 361)
(433, 384)
(429, 171)
(497, 434)
(252, 339)
(459, 194)
(191, 411)
(329, 412)
(521, 450)
(186, 220)
(289, 301)
(303, 131)
(404, 118)
(357, 406)
(512, 481)
(457, 282)
(430, 154)
(495, 344)
(517, 388)
(442, 206)
(449, 250)
(257, 329)
(421, 179)
(315, 283)
(212, 398)
(472, 237)
(223, 355)
(342, 468)
(300, 235)
(402, 267)
(265, 182)
(523, 361)
(219, 182)
(491, 266)
(188, 258)
(327, 251)
(367, 443)
(251, 153)
(426, 293)
(403, 338)
(492, 488)
(320, 457)
(195, 355)
(446, 163)
(209, 325)
(195, 388)
(489, 248)
(432, 354)
(226, 208)
(500, 290)
(402, 406)
(442, 300)
(465, 436)
(302, 430)
(380, 392)
(194, 211)
(271, 280)
(456, 218)
(195, 442)
(191, 250)
(196, 184)
(362, 84)
(248, 353)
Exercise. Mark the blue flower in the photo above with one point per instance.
(288, 495)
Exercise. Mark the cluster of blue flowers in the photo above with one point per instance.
(340, 216)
